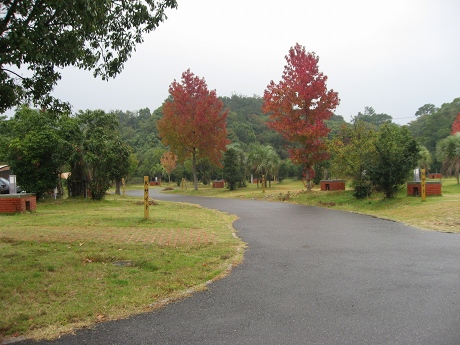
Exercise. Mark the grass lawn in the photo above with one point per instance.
(440, 213)
(76, 262)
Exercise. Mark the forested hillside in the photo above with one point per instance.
(246, 125)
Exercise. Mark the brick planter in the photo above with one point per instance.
(431, 188)
(218, 184)
(332, 185)
(155, 183)
(15, 203)
(435, 176)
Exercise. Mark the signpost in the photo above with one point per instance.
(146, 197)
(423, 185)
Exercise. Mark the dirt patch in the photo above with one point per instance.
(160, 236)
(151, 203)
(326, 204)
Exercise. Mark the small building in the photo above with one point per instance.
(414, 188)
(218, 184)
(332, 185)
(16, 203)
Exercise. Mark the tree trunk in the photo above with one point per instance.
(117, 186)
(195, 179)
(307, 178)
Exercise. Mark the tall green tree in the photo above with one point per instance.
(350, 152)
(234, 170)
(45, 36)
(104, 157)
(40, 144)
(231, 170)
(120, 161)
(427, 109)
(371, 117)
(149, 160)
(396, 155)
(426, 159)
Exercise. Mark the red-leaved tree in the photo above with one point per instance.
(168, 161)
(194, 123)
(298, 106)
(456, 125)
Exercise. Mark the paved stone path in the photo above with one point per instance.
(311, 276)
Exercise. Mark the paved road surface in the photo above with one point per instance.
(311, 276)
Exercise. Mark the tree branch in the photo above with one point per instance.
(9, 14)
(12, 72)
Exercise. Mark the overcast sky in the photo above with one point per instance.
(393, 55)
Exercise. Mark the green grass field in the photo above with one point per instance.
(438, 213)
(76, 262)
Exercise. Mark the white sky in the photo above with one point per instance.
(393, 55)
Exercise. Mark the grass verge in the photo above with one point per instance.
(438, 213)
(73, 263)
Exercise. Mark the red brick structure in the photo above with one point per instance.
(15, 203)
(431, 188)
(155, 183)
(332, 184)
(434, 175)
(218, 184)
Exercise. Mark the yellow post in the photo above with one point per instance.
(423, 185)
(123, 185)
(263, 183)
(146, 197)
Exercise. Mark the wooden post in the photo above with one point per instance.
(423, 185)
(146, 197)
(263, 183)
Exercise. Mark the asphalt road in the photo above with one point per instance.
(311, 276)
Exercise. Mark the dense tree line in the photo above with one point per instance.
(434, 124)
(39, 146)
(247, 129)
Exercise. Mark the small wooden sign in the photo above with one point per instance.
(423, 185)
(146, 197)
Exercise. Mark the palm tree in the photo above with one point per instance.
(425, 159)
(448, 152)
(263, 160)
